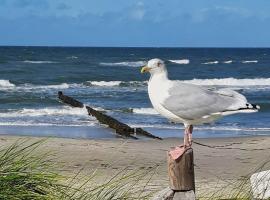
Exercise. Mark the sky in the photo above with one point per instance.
(138, 23)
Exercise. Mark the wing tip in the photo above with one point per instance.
(253, 106)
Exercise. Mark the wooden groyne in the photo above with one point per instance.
(119, 127)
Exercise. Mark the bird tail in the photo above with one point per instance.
(252, 106)
(248, 108)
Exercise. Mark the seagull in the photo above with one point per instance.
(190, 104)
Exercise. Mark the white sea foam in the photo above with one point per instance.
(105, 83)
(181, 62)
(59, 86)
(231, 82)
(126, 63)
(117, 83)
(226, 128)
(202, 128)
(39, 61)
(215, 81)
(228, 61)
(6, 84)
(55, 111)
(145, 111)
(210, 63)
(250, 61)
(23, 123)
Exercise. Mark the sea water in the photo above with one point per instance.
(109, 79)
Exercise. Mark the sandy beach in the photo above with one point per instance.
(219, 161)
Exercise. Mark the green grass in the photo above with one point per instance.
(27, 173)
(239, 189)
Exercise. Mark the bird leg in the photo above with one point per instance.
(178, 151)
(189, 130)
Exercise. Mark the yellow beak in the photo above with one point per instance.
(145, 69)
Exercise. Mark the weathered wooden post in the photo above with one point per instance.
(181, 176)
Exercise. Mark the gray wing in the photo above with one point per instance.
(193, 102)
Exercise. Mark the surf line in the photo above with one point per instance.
(119, 127)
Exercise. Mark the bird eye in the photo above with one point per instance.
(159, 64)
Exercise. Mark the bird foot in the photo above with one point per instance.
(178, 151)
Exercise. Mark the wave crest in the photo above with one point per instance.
(231, 82)
(6, 84)
(39, 61)
(181, 62)
(117, 83)
(126, 63)
(250, 61)
(145, 111)
(210, 63)
(25, 112)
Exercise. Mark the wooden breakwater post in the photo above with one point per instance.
(119, 127)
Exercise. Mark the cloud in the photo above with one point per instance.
(133, 23)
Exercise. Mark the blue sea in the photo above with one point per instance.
(109, 79)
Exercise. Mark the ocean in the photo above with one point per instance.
(109, 79)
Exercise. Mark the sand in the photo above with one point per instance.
(219, 161)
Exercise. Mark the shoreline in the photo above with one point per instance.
(103, 132)
(219, 162)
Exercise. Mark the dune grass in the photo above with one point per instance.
(27, 173)
(239, 189)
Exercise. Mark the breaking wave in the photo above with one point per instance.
(127, 63)
(250, 61)
(105, 83)
(210, 63)
(9, 86)
(39, 61)
(228, 61)
(181, 62)
(117, 83)
(145, 111)
(215, 81)
(6, 84)
(231, 82)
(25, 112)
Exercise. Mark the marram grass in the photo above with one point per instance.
(237, 190)
(28, 174)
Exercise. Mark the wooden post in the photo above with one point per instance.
(181, 172)
(182, 179)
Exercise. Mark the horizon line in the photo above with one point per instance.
(184, 47)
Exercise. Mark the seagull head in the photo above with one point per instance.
(154, 66)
